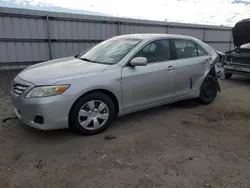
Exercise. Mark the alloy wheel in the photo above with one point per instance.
(93, 114)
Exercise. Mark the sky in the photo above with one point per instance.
(213, 12)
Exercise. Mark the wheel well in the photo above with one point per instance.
(112, 96)
(109, 93)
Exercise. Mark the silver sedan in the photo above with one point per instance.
(118, 76)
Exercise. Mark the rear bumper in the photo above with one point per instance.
(237, 69)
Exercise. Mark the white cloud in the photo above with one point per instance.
(219, 12)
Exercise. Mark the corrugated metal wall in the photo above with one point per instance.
(28, 36)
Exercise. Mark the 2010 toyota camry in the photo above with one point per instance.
(118, 76)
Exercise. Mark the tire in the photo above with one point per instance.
(208, 90)
(86, 122)
(228, 75)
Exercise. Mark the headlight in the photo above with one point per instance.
(46, 91)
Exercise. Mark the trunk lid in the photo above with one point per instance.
(241, 35)
(241, 32)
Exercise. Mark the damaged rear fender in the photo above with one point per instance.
(209, 71)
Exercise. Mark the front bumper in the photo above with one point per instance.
(54, 110)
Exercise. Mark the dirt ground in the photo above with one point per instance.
(184, 145)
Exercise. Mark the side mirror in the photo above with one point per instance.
(139, 61)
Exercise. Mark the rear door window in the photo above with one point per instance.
(201, 51)
(185, 48)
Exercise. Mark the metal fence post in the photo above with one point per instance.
(204, 34)
(118, 27)
(49, 37)
(231, 40)
(167, 29)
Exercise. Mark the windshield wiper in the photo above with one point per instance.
(86, 59)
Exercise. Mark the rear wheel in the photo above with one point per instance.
(92, 113)
(208, 90)
(228, 75)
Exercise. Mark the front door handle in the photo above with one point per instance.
(170, 67)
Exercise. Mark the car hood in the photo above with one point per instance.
(50, 72)
(241, 32)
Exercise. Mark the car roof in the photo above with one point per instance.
(147, 36)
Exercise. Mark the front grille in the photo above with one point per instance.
(18, 88)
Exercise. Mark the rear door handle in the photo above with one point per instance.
(207, 60)
(170, 67)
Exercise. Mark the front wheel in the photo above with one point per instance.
(92, 113)
(208, 90)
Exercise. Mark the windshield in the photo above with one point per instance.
(245, 45)
(110, 51)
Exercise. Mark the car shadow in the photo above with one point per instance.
(239, 80)
(189, 103)
(63, 135)
(60, 135)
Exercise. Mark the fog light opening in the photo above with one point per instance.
(39, 119)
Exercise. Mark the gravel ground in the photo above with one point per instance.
(179, 145)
